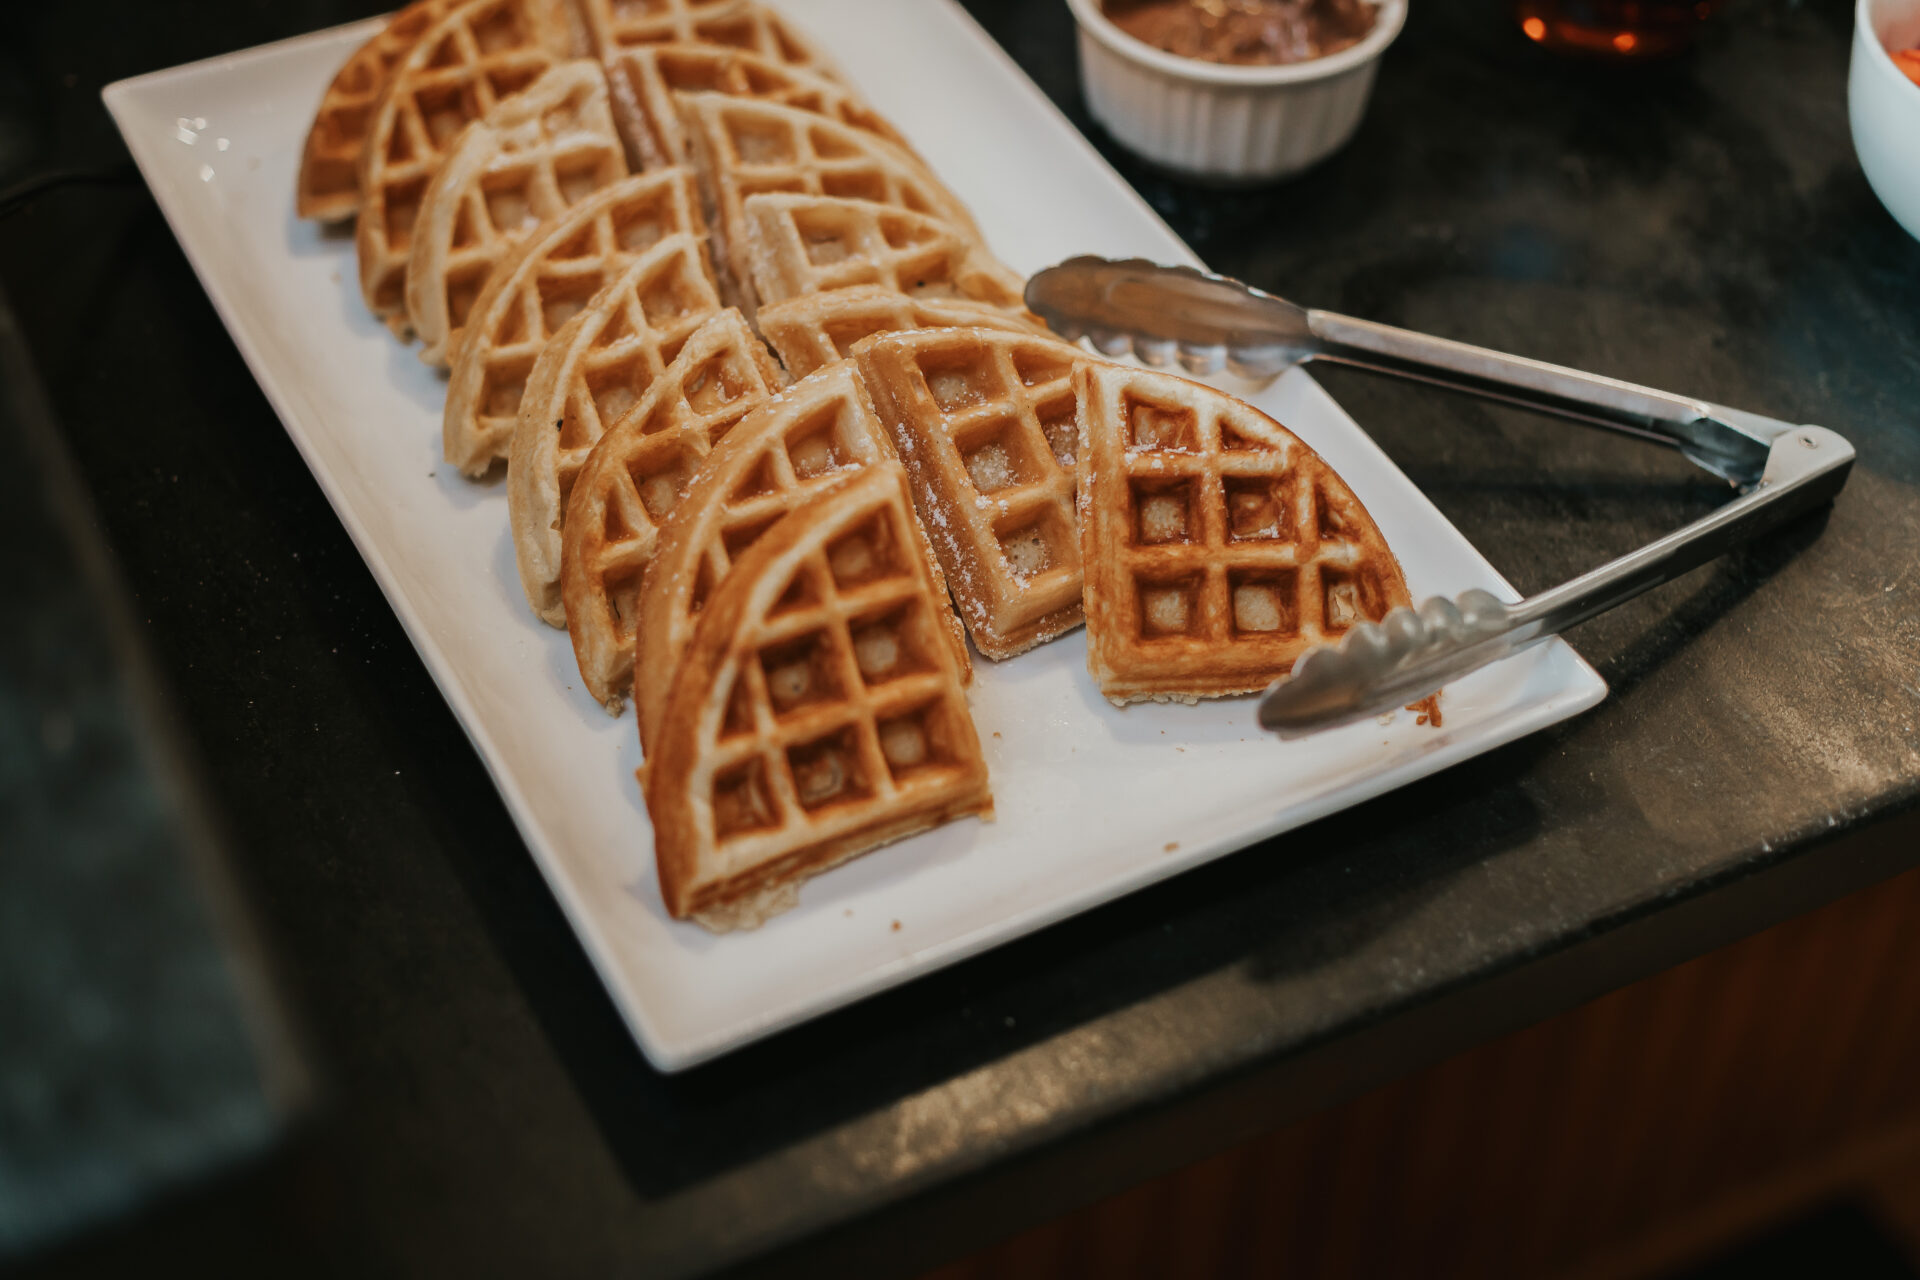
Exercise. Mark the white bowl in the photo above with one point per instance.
(1234, 123)
(1885, 106)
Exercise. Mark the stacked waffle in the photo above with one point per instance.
(770, 410)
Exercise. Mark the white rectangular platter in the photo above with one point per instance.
(1094, 802)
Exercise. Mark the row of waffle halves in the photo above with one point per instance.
(799, 693)
(588, 245)
(579, 241)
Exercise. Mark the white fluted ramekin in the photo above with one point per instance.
(1228, 123)
(1884, 106)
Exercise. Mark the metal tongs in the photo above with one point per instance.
(1206, 322)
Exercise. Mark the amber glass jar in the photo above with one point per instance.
(1618, 29)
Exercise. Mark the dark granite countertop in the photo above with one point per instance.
(140, 1046)
(1700, 226)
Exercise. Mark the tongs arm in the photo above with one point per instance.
(1709, 435)
(1204, 320)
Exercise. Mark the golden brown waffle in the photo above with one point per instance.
(986, 423)
(1217, 546)
(801, 244)
(477, 53)
(818, 711)
(531, 158)
(731, 24)
(743, 147)
(635, 476)
(816, 329)
(546, 281)
(598, 367)
(784, 453)
(329, 184)
(645, 81)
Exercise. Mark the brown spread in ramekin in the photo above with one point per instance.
(1245, 32)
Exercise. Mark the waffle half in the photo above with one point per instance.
(478, 53)
(812, 433)
(801, 244)
(596, 369)
(547, 279)
(634, 478)
(816, 329)
(726, 24)
(743, 147)
(534, 156)
(646, 79)
(818, 711)
(986, 422)
(1218, 547)
(329, 182)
